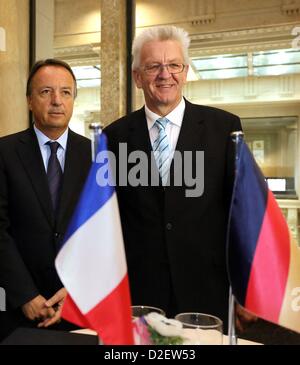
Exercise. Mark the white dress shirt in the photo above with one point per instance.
(172, 128)
(45, 149)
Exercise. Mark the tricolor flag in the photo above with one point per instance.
(263, 257)
(92, 265)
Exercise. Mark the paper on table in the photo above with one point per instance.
(85, 331)
(201, 337)
(208, 339)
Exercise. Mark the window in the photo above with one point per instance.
(268, 63)
(276, 62)
(87, 76)
(221, 67)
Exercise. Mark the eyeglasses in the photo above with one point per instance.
(155, 68)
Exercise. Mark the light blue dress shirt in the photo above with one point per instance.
(45, 149)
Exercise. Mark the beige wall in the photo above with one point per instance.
(14, 18)
(202, 16)
(77, 22)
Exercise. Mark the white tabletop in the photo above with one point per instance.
(225, 338)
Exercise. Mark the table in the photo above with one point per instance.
(33, 336)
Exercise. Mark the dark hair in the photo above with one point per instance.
(48, 62)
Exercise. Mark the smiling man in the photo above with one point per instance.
(42, 171)
(175, 245)
(162, 75)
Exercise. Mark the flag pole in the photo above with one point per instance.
(237, 136)
(95, 131)
(231, 319)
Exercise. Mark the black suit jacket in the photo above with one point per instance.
(30, 235)
(175, 245)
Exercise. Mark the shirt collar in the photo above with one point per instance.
(175, 116)
(43, 139)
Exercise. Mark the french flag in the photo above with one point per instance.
(91, 263)
(263, 258)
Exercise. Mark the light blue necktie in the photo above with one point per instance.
(161, 149)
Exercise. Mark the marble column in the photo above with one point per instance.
(113, 60)
(14, 63)
(44, 25)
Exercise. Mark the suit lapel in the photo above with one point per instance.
(139, 134)
(72, 179)
(139, 140)
(31, 158)
(191, 133)
(191, 130)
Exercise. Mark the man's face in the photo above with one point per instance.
(52, 99)
(162, 91)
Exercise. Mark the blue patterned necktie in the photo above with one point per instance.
(54, 174)
(161, 149)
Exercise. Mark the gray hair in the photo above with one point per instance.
(160, 33)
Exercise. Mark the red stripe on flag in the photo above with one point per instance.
(71, 313)
(111, 318)
(270, 266)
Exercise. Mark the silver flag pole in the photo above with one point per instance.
(95, 131)
(236, 138)
(232, 337)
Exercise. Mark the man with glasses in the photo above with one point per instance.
(175, 245)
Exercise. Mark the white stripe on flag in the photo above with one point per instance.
(98, 246)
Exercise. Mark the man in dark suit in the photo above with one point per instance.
(175, 244)
(39, 187)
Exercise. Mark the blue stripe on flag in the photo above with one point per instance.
(93, 196)
(246, 217)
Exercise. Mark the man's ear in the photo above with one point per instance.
(137, 78)
(186, 70)
(29, 101)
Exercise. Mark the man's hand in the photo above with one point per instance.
(35, 309)
(56, 302)
(243, 318)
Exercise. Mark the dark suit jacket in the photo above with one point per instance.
(176, 244)
(30, 235)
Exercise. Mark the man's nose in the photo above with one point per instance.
(56, 98)
(164, 72)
